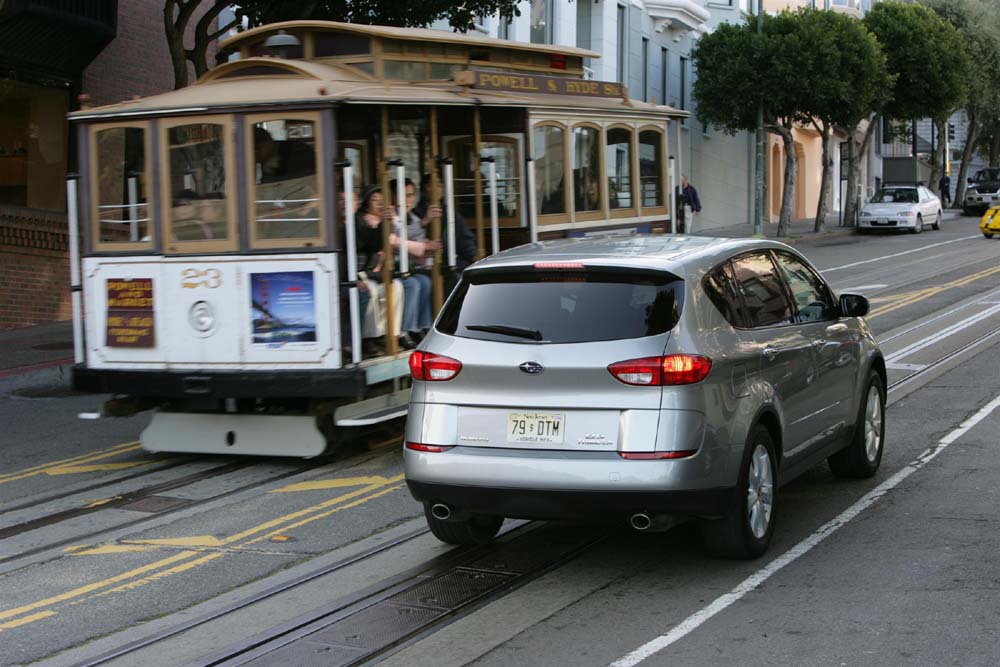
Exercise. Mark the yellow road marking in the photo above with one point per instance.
(908, 298)
(176, 563)
(336, 483)
(73, 470)
(97, 585)
(204, 541)
(27, 619)
(85, 458)
(107, 549)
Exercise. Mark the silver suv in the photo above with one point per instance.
(643, 378)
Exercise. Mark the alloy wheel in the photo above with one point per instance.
(873, 423)
(760, 492)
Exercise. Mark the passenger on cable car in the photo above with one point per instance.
(370, 256)
(465, 240)
(417, 310)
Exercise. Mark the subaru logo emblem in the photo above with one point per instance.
(532, 367)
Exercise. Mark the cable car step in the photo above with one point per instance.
(263, 435)
(374, 410)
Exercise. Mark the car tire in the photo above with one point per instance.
(863, 454)
(919, 226)
(988, 235)
(937, 222)
(745, 531)
(474, 529)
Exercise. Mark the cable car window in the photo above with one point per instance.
(651, 168)
(586, 169)
(329, 44)
(286, 184)
(619, 166)
(549, 153)
(198, 208)
(123, 211)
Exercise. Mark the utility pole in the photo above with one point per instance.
(758, 213)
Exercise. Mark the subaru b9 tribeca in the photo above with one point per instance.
(641, 378)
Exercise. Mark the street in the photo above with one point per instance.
(111, 555)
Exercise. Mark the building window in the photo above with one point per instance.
(549, 153)
(541, 21)
(621, 44)
(645, 69)
(683, 93)
(33, 145)
(503, 28)
(664, 73)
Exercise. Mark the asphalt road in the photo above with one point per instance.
(909, 579)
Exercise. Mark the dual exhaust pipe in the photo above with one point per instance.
(640, 521)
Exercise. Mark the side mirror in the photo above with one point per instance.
(853, 305)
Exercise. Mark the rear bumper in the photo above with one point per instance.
(562, 504)
(345, 382)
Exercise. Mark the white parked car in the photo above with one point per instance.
(909, 207)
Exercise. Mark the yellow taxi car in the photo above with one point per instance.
(990, 224)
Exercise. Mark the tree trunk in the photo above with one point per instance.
(995, 149)
(854, 173)
(206, 32)
(175, 28)
(791, 163)
(941, 125)
(825, 184)
(967, 152)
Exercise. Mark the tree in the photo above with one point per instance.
(197, 20)
(738, 70)
(845, 69)
(979, 25)
(928, 58)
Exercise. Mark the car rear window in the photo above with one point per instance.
(562, 306)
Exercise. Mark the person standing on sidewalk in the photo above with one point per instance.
(687, 195)
(945, 186)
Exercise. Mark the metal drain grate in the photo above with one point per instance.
(452, 589)
(382, 624)
(309, 654)
(155, 504)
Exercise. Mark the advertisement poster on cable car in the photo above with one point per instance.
(284, 308)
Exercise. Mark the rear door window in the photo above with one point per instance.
(562, 306)
(721, 290)
(763, 294)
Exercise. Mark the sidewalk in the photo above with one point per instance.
(798, 230)
(37, 347)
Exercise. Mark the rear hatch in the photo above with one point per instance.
(535, 343)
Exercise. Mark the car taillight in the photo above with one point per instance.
(433, 367)
(657, 456)
(673, 369)
(434, 449)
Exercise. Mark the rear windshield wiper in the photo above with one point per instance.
(519, 332)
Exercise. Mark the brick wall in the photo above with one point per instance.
(34, 271)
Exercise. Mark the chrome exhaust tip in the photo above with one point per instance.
(640, 521)
(441, 511)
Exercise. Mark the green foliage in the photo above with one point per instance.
(927, 56)
(460, 15)
(842, 67)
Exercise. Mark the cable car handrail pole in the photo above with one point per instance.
(494, 218)
(74, 269)
(401, 216)
(351, 251)
(532, 203)
(449, 195)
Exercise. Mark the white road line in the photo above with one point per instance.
(904, 367)
(940, 335)
(860, 287)
(898, 254)
(921, 325)
(692, 622)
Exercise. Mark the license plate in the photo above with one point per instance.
(535, 427)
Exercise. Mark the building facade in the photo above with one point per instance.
(51, 52)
